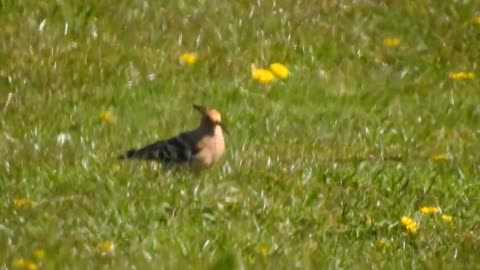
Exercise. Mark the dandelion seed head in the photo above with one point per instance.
(62, 138)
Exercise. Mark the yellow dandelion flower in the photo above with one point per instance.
(409, 224)
(391, 42)
(461, 75)
(39, 253)
(262, 249)
(412, 227)
(22, 202)
(22, 263)
(108, 117)
(406, 220)
(447, 218)
(106, 247)
(441, 157)
(261, 75)
(476, 20)
(428, 210)
(188, 58)
(279, 70)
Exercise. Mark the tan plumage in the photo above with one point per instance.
(201, 147)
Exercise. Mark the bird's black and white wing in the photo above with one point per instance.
(178, 149)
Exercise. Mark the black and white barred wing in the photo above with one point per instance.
(178, 149)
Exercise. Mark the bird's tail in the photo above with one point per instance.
(128, 154)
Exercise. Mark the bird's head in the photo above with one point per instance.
(210, 116)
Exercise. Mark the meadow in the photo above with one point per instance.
(365, 157)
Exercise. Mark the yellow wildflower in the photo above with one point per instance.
(262, 249)
(25, 264)
(106, 247)
(261, 75)
(22, 202)
(391, 42)
(409, 224)
(39, 253)
(428, 210)
(279, 70)
(188, 58)
(447, 218)
(108, 117)
(461, 75)
(476, 20)
(441, 157)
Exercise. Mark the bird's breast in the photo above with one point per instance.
(219, 141)
(211, 149)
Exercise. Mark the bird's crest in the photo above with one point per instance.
(211, 114)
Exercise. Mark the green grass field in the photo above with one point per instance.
(373, 123)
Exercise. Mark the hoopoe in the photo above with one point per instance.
(201, 147)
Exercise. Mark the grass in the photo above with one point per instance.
(320, 167)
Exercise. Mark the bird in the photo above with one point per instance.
(201, 148)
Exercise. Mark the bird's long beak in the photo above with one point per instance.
(199, 108)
